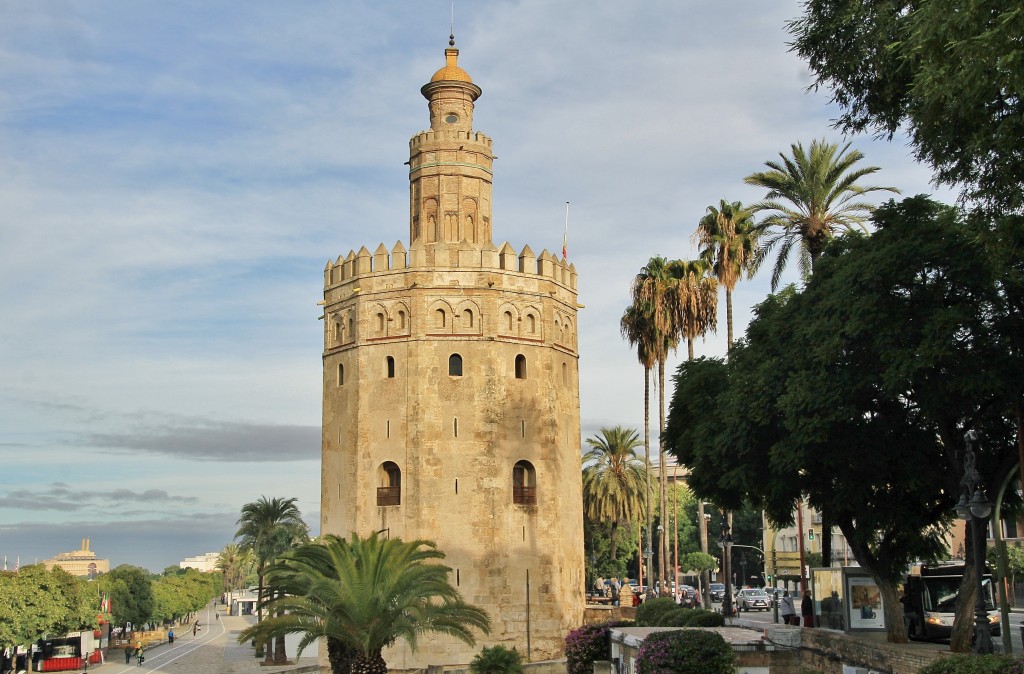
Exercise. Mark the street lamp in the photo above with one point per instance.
(661, 553)
(647, 558)
(976, 511)
(725, 543)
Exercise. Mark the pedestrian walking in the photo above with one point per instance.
(807, 609)
(170, 636)
(786, 608)
(127, 654)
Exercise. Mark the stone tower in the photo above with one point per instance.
(451, 396)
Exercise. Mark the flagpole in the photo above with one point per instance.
(565, 234)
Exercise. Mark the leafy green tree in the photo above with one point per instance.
(810, 200)
(729, 241)
(894, 343)
(613, 479)
(131, 594)
(269, 528)
(952, 73)
(182, 592)
(35, 603)
(363, 594)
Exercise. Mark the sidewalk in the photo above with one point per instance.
(215, 650)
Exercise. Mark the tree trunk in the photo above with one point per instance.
(340, 656)
(259, 608)
(373, 664)
(662, 477)
(963, 623)
(728, 321)
(892, 609)
(647, 473)
(611, 539)
(826, 540)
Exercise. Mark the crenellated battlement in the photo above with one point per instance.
(448, 136)
(464, 256)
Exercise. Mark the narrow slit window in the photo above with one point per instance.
(455, 426)
(341, 374)
(520, 366)
(391, 367)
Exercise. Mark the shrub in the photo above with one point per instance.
(702, 618)
(679, 617)
(650, 612)
(497, 660)
(586, 644)
(685, 652)
(976, 664)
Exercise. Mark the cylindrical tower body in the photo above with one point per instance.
(451, 397)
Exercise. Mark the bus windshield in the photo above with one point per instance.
(942, 593)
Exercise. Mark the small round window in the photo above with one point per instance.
(451, 118)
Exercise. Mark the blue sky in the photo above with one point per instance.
(176, 175)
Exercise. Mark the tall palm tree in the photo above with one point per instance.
(363, 594)
(269, 528)
(811, 198)
(695, 297)
(613, 479)
(729, 240)
(656, 289)
(638, 329)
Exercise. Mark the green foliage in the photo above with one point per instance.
(365, 593)
(649, 613)
(698, 561)
(951, 72)
(131, 594)
(704, 618)
(677, 617)
(685, 652)
(497, 660)
(613, 480)
(176, 595)
(975, 664)
(899, 339)
(35, 603)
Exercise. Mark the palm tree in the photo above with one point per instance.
(811, 199)
(234, 564)
(729, 242)
(638, 329)
(267, 529)
(363, 594)
(695, 296)
(656, 288)
(613, 478)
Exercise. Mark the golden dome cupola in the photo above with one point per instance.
(451, 94)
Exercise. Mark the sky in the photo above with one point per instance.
(175, 176)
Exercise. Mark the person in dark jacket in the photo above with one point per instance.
(807, 609)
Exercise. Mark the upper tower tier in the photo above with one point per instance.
(450, 166)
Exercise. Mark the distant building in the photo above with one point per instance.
(205, 563)
(80, 562)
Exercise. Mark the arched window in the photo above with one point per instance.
(351, 329)
(380, 323)
(439, 318)
(338, 333)
(531, 324)
(467, 318)
(524, 484)
(565, 374)
(341, 374)
(389, 492)
(401, 320)
(520, 366)
(391, 367)
(455, 365)
(508, 321)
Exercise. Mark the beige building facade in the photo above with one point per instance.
(451, 396)
(83, 562)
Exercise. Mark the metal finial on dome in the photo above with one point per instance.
(451, 37)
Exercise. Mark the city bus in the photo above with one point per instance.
(932, 591)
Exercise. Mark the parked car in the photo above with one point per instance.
(750, 598)
(717, 591)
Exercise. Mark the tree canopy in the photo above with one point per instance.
(855, 393)
(951, 72)
(36, 602)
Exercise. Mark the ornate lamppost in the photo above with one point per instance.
(725, 543)
(976, 511)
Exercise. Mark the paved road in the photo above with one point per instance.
(214, 650)
(1016, 620)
